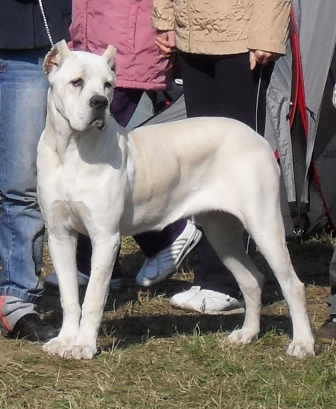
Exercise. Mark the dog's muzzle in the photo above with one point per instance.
(98, 103)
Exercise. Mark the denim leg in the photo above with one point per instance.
(23, 93)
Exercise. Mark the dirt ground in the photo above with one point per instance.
(155, 356)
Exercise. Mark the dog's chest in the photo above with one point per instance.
(78, 183)
(84, 184)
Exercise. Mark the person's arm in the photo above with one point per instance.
(163, 20)
(260, 57)
(165, 42)
(269, 30)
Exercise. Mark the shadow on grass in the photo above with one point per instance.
(128, 328)
(129, 331)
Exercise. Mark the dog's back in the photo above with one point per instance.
(189, 164)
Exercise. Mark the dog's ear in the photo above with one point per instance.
(56, 56)
(109, 55)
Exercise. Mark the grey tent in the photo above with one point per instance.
(309, 165)
(307, 159)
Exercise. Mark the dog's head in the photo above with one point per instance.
(81, 85)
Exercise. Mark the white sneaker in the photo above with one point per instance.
(181, 298)
(167, 261)
(83, 280)
(211, 302)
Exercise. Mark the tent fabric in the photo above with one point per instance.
(317, 36)
(173, 112)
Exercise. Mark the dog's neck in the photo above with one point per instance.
(58, 132)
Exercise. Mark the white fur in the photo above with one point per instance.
(96, 178)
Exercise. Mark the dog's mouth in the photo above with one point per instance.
(98, 122)
(98, 104)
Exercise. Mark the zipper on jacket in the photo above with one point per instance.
(190, 25)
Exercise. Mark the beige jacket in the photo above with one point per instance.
(224, 26)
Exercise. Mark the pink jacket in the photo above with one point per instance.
(127, 25)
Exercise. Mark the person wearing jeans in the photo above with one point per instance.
(24, 42)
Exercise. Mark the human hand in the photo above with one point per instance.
(165, 43)
(261, 57)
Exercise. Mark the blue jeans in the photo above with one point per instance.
(23, 94)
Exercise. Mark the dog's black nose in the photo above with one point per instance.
(98, 102)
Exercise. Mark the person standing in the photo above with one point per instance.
(139, 68)
(27, 29)
(226, 51)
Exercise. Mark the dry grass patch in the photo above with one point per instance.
(154, 356)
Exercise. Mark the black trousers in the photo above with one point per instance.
(223, 86)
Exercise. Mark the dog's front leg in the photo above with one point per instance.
(104, 254)
(62, 249)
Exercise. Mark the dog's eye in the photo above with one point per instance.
(108, 85)
(78, 82)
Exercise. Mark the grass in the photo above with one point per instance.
(154, 356)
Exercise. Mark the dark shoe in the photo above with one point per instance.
(32, 328)
(327, 333)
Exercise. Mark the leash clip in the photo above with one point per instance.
(298, 233)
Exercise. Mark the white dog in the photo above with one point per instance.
(96, 178)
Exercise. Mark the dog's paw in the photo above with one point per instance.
(83, 352)
(57, 346)
(300, 349)
(69, 349)
(241, 336)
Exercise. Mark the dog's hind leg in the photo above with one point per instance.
(269, 236)
(224, 232)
